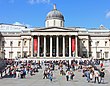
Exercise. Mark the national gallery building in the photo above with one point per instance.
(54, 41)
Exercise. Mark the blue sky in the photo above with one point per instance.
(79, 13)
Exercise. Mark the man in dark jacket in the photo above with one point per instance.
(102, 74)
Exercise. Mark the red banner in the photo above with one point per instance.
(35, 44)
(73, 44)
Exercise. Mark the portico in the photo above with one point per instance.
(54, 42)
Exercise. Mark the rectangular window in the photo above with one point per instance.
(106, 54)
(97, 43)
(11, 43)
(25, 43)
(18, 54)
(98, 54)
(3, 43)
(19, 43)
(105, 43)
(10, 55)
(24, 53)
(90, 54)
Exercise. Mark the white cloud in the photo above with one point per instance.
(108, 14)
(18, 23)
(38, 1)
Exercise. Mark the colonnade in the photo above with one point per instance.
(70, 44)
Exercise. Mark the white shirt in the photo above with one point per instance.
(96, 73)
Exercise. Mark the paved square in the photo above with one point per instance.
(36, 80)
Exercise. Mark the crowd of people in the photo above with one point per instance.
(20, 69)
(88, 68)
(94, 74)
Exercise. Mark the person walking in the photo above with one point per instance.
(50, 75)
(88, 75)
(45, 74)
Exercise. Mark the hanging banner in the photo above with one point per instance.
(35, 45)
(73, 44)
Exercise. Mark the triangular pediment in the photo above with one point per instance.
(59, 29)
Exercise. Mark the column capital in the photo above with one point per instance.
(70, 35)
(38, 35)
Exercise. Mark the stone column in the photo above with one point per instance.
(63, 46)
(57, 46)
(44, 46)
(69, 46)
(38, 50)
(32, 44)
(76, 48)
(21, 47)
(28, 46)
(50, 46)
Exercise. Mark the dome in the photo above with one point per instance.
(55, 14)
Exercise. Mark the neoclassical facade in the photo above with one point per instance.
(54, 41)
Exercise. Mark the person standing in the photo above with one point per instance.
(72, 74)
(96, 74)
(67, 75)
(88, 75)
(101, 65)
(102, 74)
